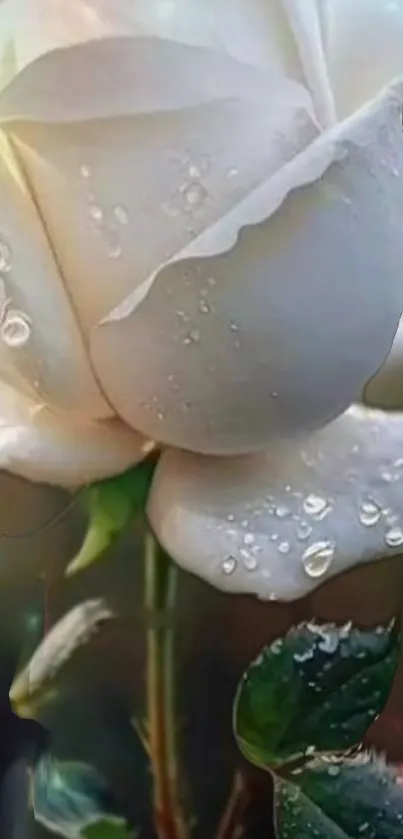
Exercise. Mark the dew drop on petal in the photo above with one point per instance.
(314, 505)
(85, 171)
(229, 565)
(369, 514)
(16, 329)
(284, 547)
(394, 537)
(114, 250)
(205, 307)
(96, 213)
(318, 558)
(194, 193)
(304, 531)
(121, 214)
(192, 337)
(250, 562)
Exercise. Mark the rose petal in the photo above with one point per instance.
(41, 348)
(385, 390)
(281, 332)
(252, 31)
(133, 226)
(38, 444)
(364, 48)
(279, 524)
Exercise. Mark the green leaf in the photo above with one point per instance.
(343, 799)
(299, 818)
(318, 689)
(112, 505)
(37, 679)
(108, 829)
(68, 797)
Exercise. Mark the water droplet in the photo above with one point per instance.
(369, 514)
(315, 505)
(229, 565)
(96, 213)
(5, 256)
(194, 193)
(233, 172)
(274, 394)
(192, 337)
(249, 538)
(115, 250)
(230, 517)
(394, 537)
(16, 329)
(121, 214)
(250, 562)
(304, 531)
(318, 558)
(211, 281)
(284, 547)
(160, 415)
(194, 172)
(274, 537)
(85, 171)
(282, 512)
(205, 307)
(390, 477)
(334, 771)
(234, 327)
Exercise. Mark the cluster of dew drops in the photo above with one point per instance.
(15, 324)
(318, 556)
(109, 222)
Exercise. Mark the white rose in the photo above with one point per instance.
(201, 248)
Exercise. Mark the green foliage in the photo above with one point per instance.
(318, 689)
(73, 800)
(108, 829)
(112, 505)
(300, 708)
(341, 800)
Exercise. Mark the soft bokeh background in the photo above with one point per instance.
(218, 635)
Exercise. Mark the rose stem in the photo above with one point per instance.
(160, 593)
(231, 821)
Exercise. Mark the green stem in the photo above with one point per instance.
(230, 826)
(160, 595)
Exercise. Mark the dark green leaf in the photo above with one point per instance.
(112, 505)
(361, 796)
(68, 797)
(299, 818)
(318, 689)
(108, 829)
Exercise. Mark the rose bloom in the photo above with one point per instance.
(201, 250)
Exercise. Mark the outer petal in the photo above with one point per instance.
(269, 332)
(385, 390)
(41, 347)
(40, 445)
(364, 48)
(279, 524)
(253, 31)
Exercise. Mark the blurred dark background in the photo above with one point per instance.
(217, 637)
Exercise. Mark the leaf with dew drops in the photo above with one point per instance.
(317, 690)
(68, 797)
(344, 799)
(112, 505)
